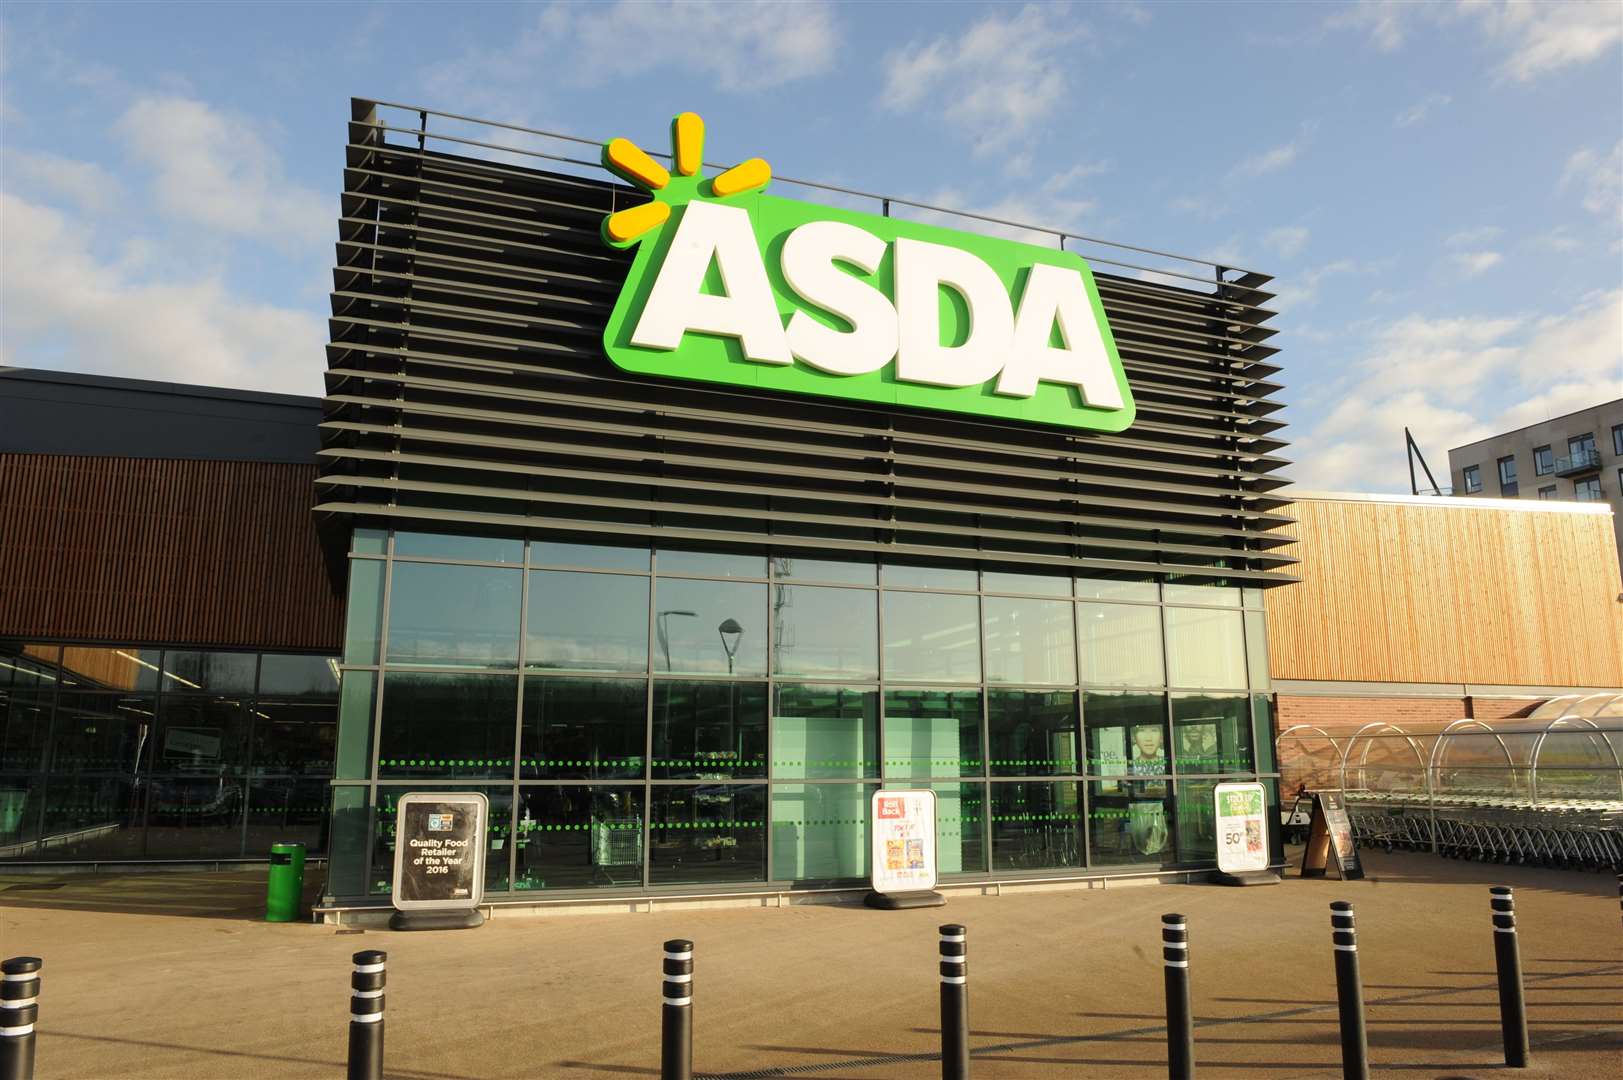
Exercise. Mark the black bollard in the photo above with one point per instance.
(1180, 1019)
(1349, 993)
(19, 1008)
(1507, 955)
(1620, 890)
(954, 1003)
(676, 1020)
(366, 1015)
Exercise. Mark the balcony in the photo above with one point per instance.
(1581, 462)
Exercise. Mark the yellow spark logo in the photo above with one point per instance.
(631, 163)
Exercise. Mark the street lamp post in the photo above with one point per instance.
(730, 627)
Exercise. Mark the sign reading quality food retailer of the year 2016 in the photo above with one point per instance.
(904, 858)
(732, 285)
(439, 853)
(1242, 828)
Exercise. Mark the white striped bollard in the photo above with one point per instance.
(19, 1008)
(676, 1012)
(366, 1015)
(1507, 956)
(1349, 993)
(1180, 1020)
(954, 1003)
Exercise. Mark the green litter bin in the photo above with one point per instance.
(284, 886)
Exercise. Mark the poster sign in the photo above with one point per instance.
(903, 841)
(439, 851)
(1242, 828)
(1330, 836)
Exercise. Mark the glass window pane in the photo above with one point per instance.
(1126, 734)
(27, 666)
(102, 733)
(125, 668)
(1029, 641)
(346, 844)
(1208, 595)
(1205, 648)
(21, 800)
(222, 672)
(1196, 815)
(587, 622)
(369, 541)
(707, 834)
(579, 838)
(441, 726)
(1045, 584)
(196, 813)
(93, 818)
(586, 728)
(711, 563)
(825, 732)
(709, 730)
(705, 627)
(363, 614)
(294, 738)
(201, 735)
(287, 810)
(451, 546)
(457, 616)
(355, 714)
(820, 832)
(825, 633)
(1211, 733)
(932, 638)
(1251, 596)
(1129, 822)
(932, 733)
(960, 825)
(1256, 650)
(298, 676)
(1093, 588)
(589, 556)
(1036, 825)
(496, 835)
(1262, 732)
(837, 571)
(906, 576)
(1032, 733)
(1121, 645)
(25, 728)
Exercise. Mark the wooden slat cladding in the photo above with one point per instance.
(205, 553)
(467, 387)
(1440, 593)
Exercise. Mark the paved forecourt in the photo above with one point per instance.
(1062, 983)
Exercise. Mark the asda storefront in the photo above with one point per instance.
(682, 517)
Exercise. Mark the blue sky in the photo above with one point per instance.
(1437, 188)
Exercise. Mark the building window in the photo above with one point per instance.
(1587, 489)
(1547, 492)
(1543, 461)
(1473, 479)
(1581, 451)
(1617, 439)
(1507, 476)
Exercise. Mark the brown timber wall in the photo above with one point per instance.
(205, 553)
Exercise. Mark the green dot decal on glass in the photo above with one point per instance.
(731, 285)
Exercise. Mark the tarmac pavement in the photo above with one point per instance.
(173, 976)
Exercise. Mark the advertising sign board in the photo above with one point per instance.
(439, 852)
(904, 857)
(1242, 828)
(1331, 834)
(732, 285)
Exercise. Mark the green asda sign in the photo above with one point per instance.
(732, 285)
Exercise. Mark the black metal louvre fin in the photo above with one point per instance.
(467, 387)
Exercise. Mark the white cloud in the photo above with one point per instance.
(1455, 380)
(1476, 237)
(1599, 178)
(1268, 161)
(1302, 289)
(1476, 263)
(1202, 206)
(1532, 38)
(1421, 109)
(1000, 78)
(1287, 241)
(210, 168)
(1044, 208)
(67, 307)
(53, 178)
(1559, 240)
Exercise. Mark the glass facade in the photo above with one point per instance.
(113, 753)
(690, 719)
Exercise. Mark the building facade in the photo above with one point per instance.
(1578, 456)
